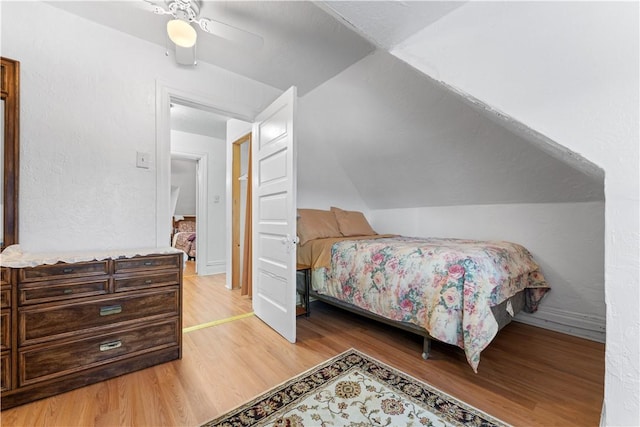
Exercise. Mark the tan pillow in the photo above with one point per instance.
(352, 223)
(316, 224)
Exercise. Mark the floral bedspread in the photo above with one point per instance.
(186, 241)
(446, 286)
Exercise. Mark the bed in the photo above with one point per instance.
(184, 235)
(457, 291)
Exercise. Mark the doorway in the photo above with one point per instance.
(274, 158)
(239, 120)
(198, 135)
(241, 214)
(188, 190)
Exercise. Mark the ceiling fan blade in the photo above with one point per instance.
(229, 32)
(160, 11)
(151, 6)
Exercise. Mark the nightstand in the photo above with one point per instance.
(303, 289)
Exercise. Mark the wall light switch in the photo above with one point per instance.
(143, 160)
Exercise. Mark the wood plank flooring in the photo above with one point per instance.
(527, 376)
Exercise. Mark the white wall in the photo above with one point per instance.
(211, 256)
(569, 70)
(88, 101)
(321, 179)
(566, 240)
(183, 176)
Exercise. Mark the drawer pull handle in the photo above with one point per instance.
(110, 309)
(110, 345)
(67, 291)
(67, 270)
(148, 282)
(148, 263)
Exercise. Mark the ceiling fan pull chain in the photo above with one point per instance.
(166, 44)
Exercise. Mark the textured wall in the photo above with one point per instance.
(183, 175)
(88, 101)
(575, 80)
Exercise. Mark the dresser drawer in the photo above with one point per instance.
(44, 362)
(4, 275)
(46, 322)
(37, 292)
(5, 288)
(130, 265)
(57, 271)
(128, 283)
(5, 329)
(5, 297)
(5, 370)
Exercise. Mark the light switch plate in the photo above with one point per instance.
(142, 160)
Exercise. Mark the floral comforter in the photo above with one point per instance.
(446, 286)
(186, 241)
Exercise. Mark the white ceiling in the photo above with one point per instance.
(305, 43)
(377, 112)
(388, 23)
(198, 121)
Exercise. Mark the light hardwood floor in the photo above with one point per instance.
(527, 376)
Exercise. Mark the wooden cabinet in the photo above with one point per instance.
(80, 323)
(5, 330)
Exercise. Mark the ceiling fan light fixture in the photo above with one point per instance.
(181, 33)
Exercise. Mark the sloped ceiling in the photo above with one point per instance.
(388, 23)
(423, 145)
(403, 139)
(303, 45)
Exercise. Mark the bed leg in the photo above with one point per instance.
(426, 348)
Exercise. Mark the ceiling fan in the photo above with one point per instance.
(181, 31)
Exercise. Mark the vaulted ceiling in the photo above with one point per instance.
(303, 45)
(385, 123)
(425, 146)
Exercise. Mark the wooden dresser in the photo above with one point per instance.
(68, 325)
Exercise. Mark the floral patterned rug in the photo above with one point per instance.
(353, 389)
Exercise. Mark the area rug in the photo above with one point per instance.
(353, 389)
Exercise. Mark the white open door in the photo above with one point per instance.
(274, 216)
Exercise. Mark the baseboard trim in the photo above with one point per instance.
(580, 325)
(214, 267)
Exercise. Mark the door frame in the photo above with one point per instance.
(165, 93)
(236, 205)
(202, 189)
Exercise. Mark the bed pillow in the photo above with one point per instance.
(352, 223)
(316, 224)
